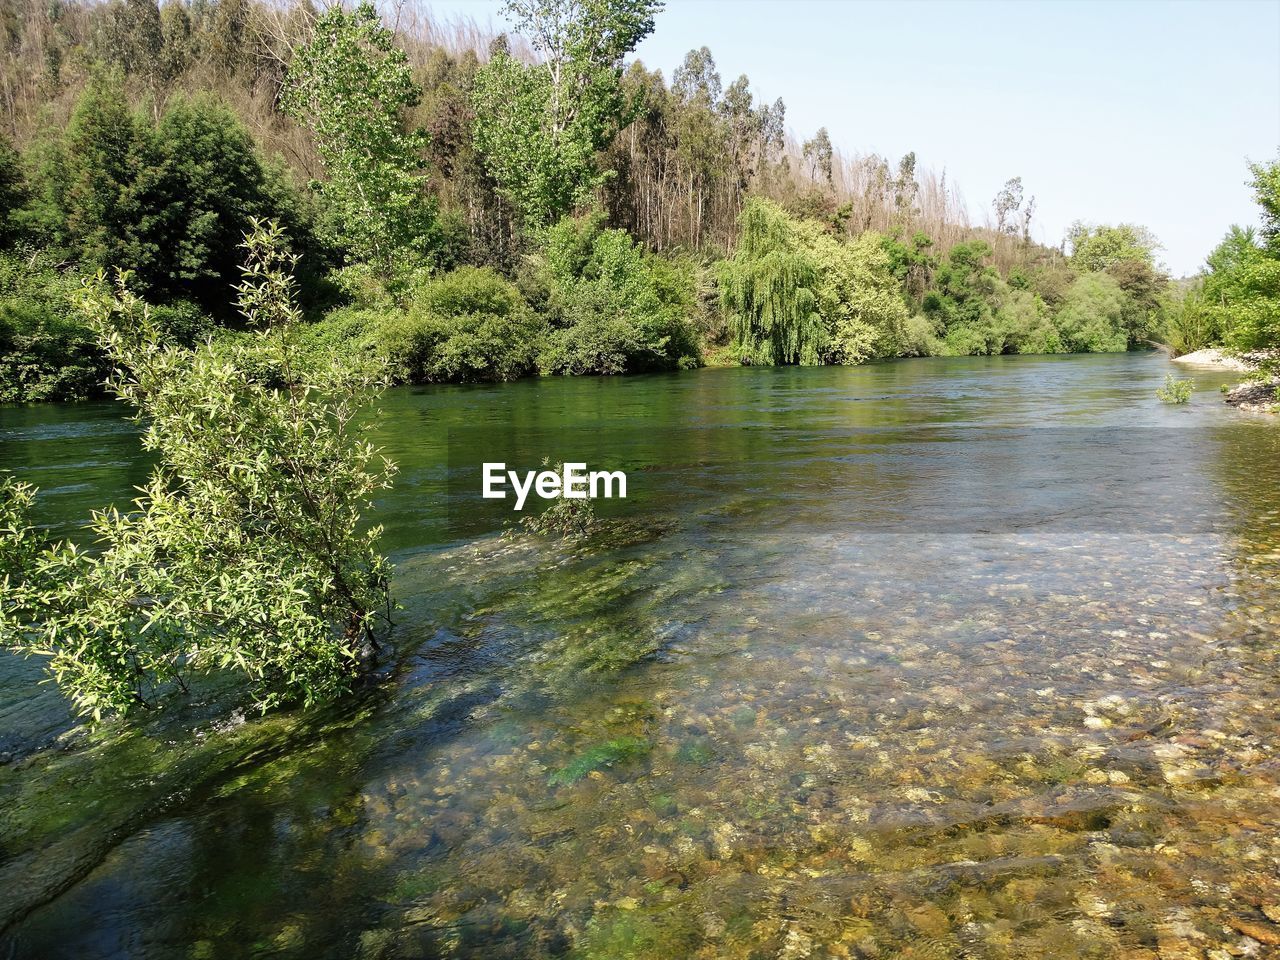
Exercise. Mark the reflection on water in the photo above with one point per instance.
(970, 658)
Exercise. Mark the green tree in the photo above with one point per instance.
(1242, 286)
(964, 299)
(539, 126)
(13, 194)
(769, 292)
(467, 325)
(351, 86)
(93, 180)
(613, 307)
(245, 552)
(1099, 247)
(208, 185)
(1092, 318)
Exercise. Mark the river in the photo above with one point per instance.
(935, 658)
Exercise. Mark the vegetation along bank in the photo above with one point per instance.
(474, 207)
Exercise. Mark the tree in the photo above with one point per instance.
(1007, 204)
(1098, 247)
(1092, 319)
(539, 126)
(1266, 192)
(794, 293)
(93, 178)
(769, 292)
(1243, 283)
(613, 307)
(351, 85)
(207, 186)
(13, 194)
(819, 153)
(246, 551)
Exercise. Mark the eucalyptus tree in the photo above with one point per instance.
(820, 154)
(540, 125)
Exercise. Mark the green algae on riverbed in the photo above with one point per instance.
(764, 716)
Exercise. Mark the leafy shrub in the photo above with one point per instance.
(1175, 391)
(1025, 325)
(769, 291)
(794, 293)
(964, 299)
(565, 517)
(19, 543)
(465, 326)
(245, 551)
(47, 350)
(352, 335)
(1092, 318)
(1191, 321)
(613, 307)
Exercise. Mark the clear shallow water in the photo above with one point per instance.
(928, 659)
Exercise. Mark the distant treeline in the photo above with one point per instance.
(486, 207)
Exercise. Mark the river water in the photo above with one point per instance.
(935, 658)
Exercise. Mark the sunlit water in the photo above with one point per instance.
(943, 658)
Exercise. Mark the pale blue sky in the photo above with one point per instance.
(1132, 111)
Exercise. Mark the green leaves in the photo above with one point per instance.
(351, 85)
(539, 126)
(244, 552)
(795, 294)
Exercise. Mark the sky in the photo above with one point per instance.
(1140, 112)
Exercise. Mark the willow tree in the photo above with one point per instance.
(769, 291)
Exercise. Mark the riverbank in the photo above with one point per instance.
(1255, 396)
(1213, 357)
(1252, 396)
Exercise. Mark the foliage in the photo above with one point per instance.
(540, 125)
(244, 552)
(613, 307)
(1191, 321)
(795, 293)
(1244, 272)
(1100, 247)
(567, 518)
(465, 326)
(1175, 391)
(1025, 324)
(13, 194)
(964, 299)
(47, 350)
(769, 291)
(1092, 318)
(19, 542)
(351, 85)
(169, 199)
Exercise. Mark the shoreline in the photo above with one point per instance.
(1213, 357)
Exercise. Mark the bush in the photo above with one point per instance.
(613, 307)
(1175, 391)
(1092, 318)
(246, 551)
(465, 326)
(1025, 324)
(47, 350)
(793, 293)
(964, 299)
(1192, 322)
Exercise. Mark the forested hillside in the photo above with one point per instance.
(487, 207)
